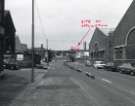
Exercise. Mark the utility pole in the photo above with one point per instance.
(84, 50)
(47, 52)
(2, 31)
(33, 36)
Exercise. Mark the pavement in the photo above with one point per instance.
(15, 82)
(62, 86)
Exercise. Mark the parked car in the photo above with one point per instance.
(126, 68)
(41, 66)
(110, 66)
(1, 68)
(12, 65)
(88, 63)
(1, 72)
(99, 64)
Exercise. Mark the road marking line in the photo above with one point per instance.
(106, 80)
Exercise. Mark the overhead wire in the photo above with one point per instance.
(43, 28)
(40, 21)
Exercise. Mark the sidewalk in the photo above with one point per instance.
(14, 83)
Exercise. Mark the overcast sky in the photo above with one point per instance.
(59, 20)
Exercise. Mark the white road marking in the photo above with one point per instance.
(106, 80)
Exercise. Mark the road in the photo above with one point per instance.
(62, 86)
(108, 88)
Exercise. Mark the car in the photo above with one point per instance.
(99, 64)
(11, 65)
(41, 66)
(1, 71)
(110, 66)
(1, 68)
(88, 63)
(126, 68)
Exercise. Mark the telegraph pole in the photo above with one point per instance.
(2, 31)
(33, 36)
(47, 52)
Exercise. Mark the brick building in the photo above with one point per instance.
(100, 46)
(20, 47)
(1, 32)
(9, 35)
(124, 37)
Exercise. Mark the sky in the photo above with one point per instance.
(59, 21)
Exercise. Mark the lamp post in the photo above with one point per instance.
(33, 38)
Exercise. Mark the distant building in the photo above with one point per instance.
(100, 45)
(38, 51)
(20, 48)
(124, 37)
(82, 53)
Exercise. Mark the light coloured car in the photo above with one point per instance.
(88, 63)
(99, 64)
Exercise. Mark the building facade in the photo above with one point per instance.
(9, 35)
(124, 37)
(100, 45)
(19, 47)
(2, 5)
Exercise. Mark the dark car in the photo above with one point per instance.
(1, 72)
(41, 66)
(126, 68)
(110, 66)
(11, 65)
(1, 68)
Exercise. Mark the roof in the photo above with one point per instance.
(126, 23)
(9, 21)
(106, 31)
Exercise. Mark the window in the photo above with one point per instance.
(118, 53)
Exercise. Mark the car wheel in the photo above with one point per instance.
(11, 67)
(120, 71)
(132, 73)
